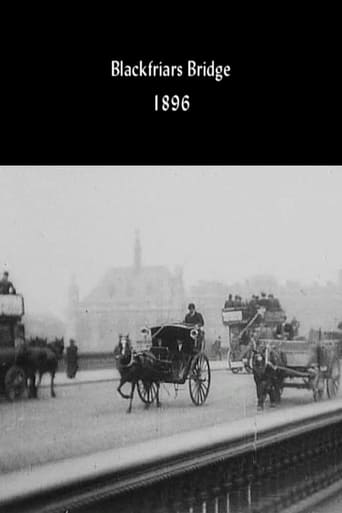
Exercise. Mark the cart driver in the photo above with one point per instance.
(194, 317)
(6, 286)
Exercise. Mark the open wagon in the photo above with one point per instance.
(178, 351)
(312, 366)
(12, 375)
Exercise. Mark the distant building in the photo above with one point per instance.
(125, 300)
(128, 298)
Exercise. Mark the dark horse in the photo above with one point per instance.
(134, 367)
(39, 358)
(268, 378)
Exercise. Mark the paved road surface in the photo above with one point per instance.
(86, 376)
(90, 417)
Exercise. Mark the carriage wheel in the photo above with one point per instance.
(147, 391)
(333, 381)
(15, 383)
(199, 379)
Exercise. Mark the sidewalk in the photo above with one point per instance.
(100, 375)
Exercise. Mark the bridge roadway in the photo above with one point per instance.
(91, 417)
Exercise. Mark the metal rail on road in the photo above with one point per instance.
(84, 480)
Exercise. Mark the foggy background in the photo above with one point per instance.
(218, 223)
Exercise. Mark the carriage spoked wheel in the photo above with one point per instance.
(15, 383)
(199, 379)
(147, 391)
(333, 381)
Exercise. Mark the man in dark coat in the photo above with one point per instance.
(6, 287)
(217, 348)
(193, 317)
(72, 359)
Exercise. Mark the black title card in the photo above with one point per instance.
(255, 97)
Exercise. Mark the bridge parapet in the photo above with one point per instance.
(105, 474)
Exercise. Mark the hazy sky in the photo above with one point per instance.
(218, 223)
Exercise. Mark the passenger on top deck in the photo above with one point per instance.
(288, 331)
(238, 301)
(274, 303)
(229, 302)
(264, 301)
(295, 324)
(6, 286)
(270, 298)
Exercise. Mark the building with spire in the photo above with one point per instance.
(125, 300)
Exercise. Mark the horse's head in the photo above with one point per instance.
(267, 356)
(57, 346)
(259, 359)
(123, 350)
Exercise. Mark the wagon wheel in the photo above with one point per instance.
(199, 379)
(15, 383)
(147, 391)
(333, 381)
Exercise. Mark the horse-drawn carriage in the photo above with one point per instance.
(173, 353)
(13, 378)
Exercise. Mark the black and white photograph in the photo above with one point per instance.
(170, 262)
(170, 339)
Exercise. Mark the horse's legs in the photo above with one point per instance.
(32, 386)
(125, 396)
(274, 395)
(39, 379)
(131, 397)
(157, 395)
(52, 389)
(260, 393)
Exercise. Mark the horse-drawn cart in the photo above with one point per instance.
(12, 375)
(306, 365)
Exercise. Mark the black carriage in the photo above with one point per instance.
(178, 351)
(12, 375)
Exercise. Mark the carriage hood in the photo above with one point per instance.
(179, 331)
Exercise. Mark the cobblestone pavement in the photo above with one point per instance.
(91, 417)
